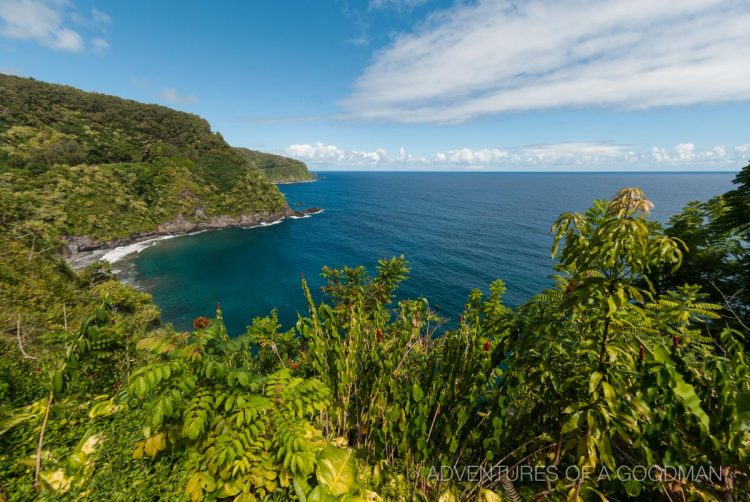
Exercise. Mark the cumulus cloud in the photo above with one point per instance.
(571, 155)
(685, 151)
(43, 21)
(469, 156)
(172, 96)
(331, 154)
(495, 56)
(317, 152)
(576, 153)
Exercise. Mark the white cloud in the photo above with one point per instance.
(172, 96)
(100, 18)
(402, 5)
(95, 20)
(321, 153)
(469, 156)
(495, 56)
(373, 157)
(317, 152)
(39, 21)
(576, 153)
(660, 155)
(99, 45)
(590, 155)
(685, 151)
(43, 21)
(405, 157)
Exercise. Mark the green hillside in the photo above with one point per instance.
(92, 165)
(624, 380)
(276, 168)
(80, 170)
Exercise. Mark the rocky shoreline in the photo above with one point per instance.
(81, 251)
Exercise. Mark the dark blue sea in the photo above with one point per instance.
(459, 231)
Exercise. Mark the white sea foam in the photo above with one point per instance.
(118, 253)
(307, 215)
(265, 224)
(295, 182)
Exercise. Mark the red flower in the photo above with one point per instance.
(379, 335)
(676, 341)
(487, 346)
(218, 305)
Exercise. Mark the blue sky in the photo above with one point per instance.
(529, 85)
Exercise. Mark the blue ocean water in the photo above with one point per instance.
(458, 231)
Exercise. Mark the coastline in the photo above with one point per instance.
(295, 182)
(80, 252)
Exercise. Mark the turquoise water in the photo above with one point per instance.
(458, 231)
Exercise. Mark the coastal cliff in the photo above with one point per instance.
(82, 173)
(82, 251)
(98, 170)
(276, 168)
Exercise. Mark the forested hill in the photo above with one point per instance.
(82, 170)
(275, 167)
(106, 168)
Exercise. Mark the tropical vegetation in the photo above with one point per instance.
(627, 379)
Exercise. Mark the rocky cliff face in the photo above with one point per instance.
(80, 251)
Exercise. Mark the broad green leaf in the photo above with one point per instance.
(686, 394)
(594, 380)
(571, 423)
(417, 392)
(488, 496)
(337, 470)
(321, 494)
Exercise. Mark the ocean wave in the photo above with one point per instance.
(116, 254)
(307, 215)
(267, 224)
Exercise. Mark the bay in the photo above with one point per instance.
(457, 230)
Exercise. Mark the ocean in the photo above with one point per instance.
(458, 231)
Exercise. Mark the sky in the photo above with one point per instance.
(485, 85)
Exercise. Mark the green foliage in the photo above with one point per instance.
(92, 165)
(245, 434)
(602, 371)
(626, 361)
(276, 168)
(716, 233)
